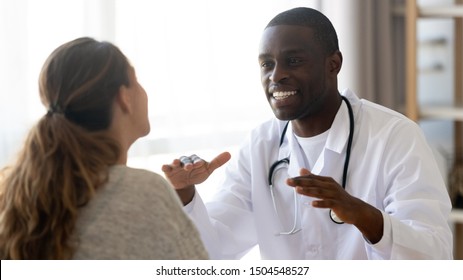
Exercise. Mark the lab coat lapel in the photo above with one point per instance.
(295, 159)
(331, 160)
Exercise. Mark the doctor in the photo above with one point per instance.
(331, 177)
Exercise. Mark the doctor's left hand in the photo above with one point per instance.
(351, 210)
(327, 193)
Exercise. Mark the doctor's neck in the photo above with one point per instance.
(318, 122)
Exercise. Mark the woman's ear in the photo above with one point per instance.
(123, 100)
(335, 62)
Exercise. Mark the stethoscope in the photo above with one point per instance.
(278, 165)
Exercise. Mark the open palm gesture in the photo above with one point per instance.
(187, 171)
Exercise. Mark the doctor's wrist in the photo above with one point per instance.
(186, 194)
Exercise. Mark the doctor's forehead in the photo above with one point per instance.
(286, 38)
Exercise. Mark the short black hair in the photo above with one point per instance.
(324, 31)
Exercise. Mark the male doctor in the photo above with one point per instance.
(331, 177)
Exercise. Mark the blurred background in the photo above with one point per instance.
(197, 60)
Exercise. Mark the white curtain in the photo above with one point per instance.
(13, 114)
(371, 40)
(29, 31)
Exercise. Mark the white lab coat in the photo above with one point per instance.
(391, 168)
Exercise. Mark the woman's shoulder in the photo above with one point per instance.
(142, 183)
(136, 191)
(122, 173)
(139, 211)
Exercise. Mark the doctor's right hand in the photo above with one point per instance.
(185, 172)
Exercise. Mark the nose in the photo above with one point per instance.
(278, 74)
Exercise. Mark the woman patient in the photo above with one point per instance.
(70, 195)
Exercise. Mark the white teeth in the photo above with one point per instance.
(283, 94)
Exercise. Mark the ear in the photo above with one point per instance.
(335, 63)
(123, 100)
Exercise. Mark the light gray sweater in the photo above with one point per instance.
(136, 215)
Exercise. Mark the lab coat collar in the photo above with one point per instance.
(336, 142)
(339, 132)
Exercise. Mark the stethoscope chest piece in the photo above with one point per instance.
(335, 218)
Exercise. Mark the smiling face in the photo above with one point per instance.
(298, 76)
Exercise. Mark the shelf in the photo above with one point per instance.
(450, 11)
(442, 113)
(416, 111)
(456, 216)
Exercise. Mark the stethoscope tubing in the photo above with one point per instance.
(273, 167)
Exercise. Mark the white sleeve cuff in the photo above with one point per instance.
(382, 249)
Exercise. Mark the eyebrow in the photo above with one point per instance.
(287, 52)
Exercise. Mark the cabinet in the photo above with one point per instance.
(454, 113)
